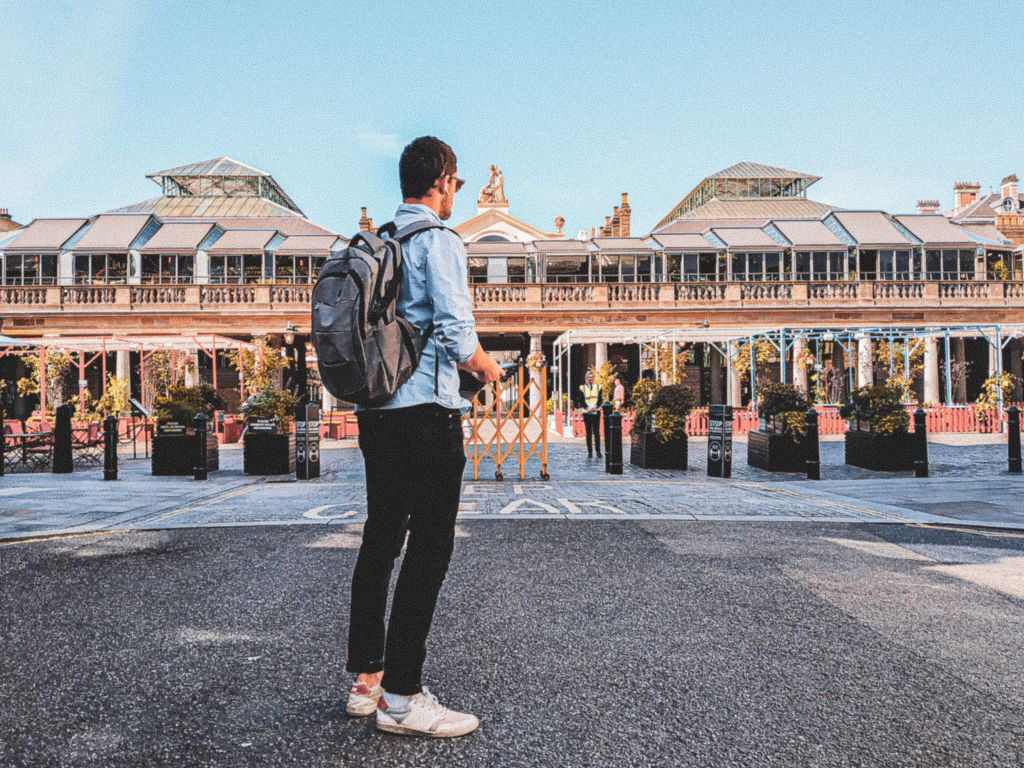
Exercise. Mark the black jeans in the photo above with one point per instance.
(591, 422)
(414, 461)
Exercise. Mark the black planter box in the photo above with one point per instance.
(881, 453)
(176, 454)
(268, 453)
(776, 452)
(647, 451)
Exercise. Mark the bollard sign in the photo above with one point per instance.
(307, 442)
(719, 441)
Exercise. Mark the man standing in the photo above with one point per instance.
(412, 451)
(591, 415)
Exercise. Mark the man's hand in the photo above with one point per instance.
(483, 366)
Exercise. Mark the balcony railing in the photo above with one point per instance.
(491, 297)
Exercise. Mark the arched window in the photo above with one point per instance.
(493, 239)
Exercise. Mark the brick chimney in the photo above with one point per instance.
(365, 222)
(5, 214)
(927, 206)
(965, 193)
(624, 215)
(1010, 187)
(606, 230)
(616, 232)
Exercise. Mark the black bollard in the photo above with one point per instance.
(110, 447)
(1013, 438)
(719, 441)
(606, 411)
(63, 460)
(307, 442)
(920, 444)
(613, 461)
(199, 423)
(811, 443)
(3, 442)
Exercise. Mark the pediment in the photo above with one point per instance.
(494, 222)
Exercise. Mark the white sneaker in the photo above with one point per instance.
(425, 716)
(362, 699)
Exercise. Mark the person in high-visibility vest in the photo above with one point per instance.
(591, 414)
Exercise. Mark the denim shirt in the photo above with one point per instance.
(435, 286)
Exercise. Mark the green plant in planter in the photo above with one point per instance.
(270, 403)
(880, 406)
(670, 406)
(786, 403)
(181, 404)
(643, 393)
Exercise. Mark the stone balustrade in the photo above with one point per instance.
(492, 299)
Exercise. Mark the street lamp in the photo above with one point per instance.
(289, 334)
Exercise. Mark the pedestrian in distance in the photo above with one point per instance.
(412, 448)
(591, 396)
(618, 394)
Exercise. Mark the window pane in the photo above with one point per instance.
(674, 267)
(691, 264)
(772, 262)
(803, 265)
(284, 269)
(755, 266)
(902, 265)
(819, 265)
(967, 264)
(643, 268)
(12, 268)
(301, 269)
(150, 268)
(233, 269)
(837, 265)
(30, 270)
(950, 265)
(628, 269)
(517, 270)
(318, 263)
(218, 272)
(885, 264)
(186, 268)
(48, 269)
(933, 265)
(117, 268)
(167, 271)
(253, 268)
(706, 266)
(739, 266)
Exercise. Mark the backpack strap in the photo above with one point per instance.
(416, 227)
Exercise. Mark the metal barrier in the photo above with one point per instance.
(508, 419)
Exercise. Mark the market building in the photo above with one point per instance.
(224, 252)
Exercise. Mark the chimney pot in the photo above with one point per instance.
(927, 206)
(5, 213)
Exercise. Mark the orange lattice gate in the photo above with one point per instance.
(508, 421)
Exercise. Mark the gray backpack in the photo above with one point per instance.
(364, 349)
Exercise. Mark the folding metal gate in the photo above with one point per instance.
(508, 419)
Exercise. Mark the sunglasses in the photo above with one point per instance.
(458, 182)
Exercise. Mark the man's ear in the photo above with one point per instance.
(442, 184)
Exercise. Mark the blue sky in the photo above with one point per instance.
(576, 102)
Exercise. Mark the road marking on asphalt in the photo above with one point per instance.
(316, 513)
(517, 489)
(18, 491)
(206, 503)
(516, 505)
(574, 507)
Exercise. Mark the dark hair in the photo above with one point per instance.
(423, 162)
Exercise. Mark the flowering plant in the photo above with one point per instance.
(536, 360)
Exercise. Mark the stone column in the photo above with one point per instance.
(865, 362)
(960, 380)
(931, 371)
(122, 364)
(715, 358)
(1016, 366)
(327, 401)
(534, 394)
(799, 370)
(191, 369)
(600, 353)
(134, 268)
(993, 367)
(735, 385)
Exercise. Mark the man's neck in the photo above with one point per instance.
(433, 203)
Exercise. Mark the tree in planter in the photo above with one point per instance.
(181, 404)
(259, 367)
(741, 360)
(669, 408)
(270, 403)
(988, 400)
(880, 406)
(785, 403)
(900, 377)
(117, 397)
(60, 383)
(643, 395)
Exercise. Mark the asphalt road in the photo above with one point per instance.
(577, 643)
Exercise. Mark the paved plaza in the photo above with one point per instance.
(968, 484)
(658, 618)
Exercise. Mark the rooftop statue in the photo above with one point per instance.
(494, 190)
